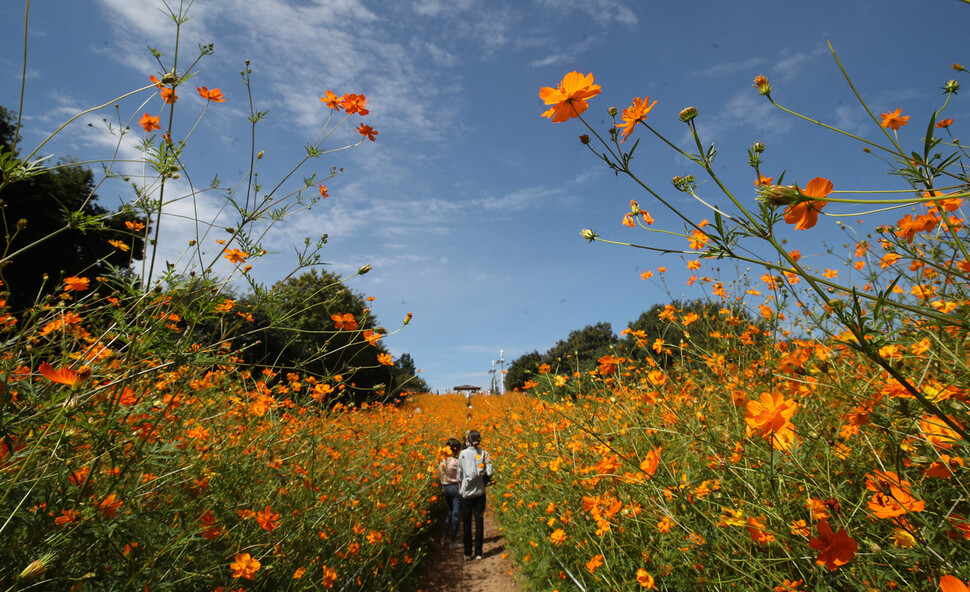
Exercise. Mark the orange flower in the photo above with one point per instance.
(834, 549)
(267, 519)
(909, 226)
(634, 114)
(76, 284)
(368, 132)
(769, 414)
(62, 376)
(763, 180)
(235, 255)
(943, 123)
(329, 576)
(385, 359)
(67, 517)
(645, 579)
(214, 95)
(756, 528)
(354, 104)
(568, 100)
(558, 536)
(331, 101)
(323, 191)
(168, 95)
(149, 122)
(894, 120)
(109, 506)
(344, 321)
(950, 583)
(651, 462)
(804, 214)
(244, 566)
(593, 563)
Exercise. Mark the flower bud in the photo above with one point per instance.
(588, 234)
(259, 154)
(951, 86)
(779, 195)
(612, 111)
(363, 270)
(687, 114)
(408, 318)
(761, 83)
(686, 183)
(584, 139)
(36, 569)
(758, 147)
(958, 67)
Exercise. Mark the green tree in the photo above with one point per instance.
(522, 369)
(580, 350)
(405, 376)
(54, 228)
(690, 330)
(295, 330)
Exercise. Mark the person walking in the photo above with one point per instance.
(448, 476)
(474, 474)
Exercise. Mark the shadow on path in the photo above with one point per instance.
(448, 571)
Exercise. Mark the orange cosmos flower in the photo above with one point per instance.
(909, 226)
(385, 359)
(950, 583)
(651, 462)
(593, 563)
(756, 528)
(371, 337)
(323, 191)
(267, 519)
(67, 517)
(634, 114)
(568, 100)
(368, 132)
(354, 104)
(894, 120)
(329, 577)
(763, 180)
(76, 284)
(235, 255)
(244, 566)
(804, 214)
(214, 95)
(558, 536)
(645, 579)
(769, 414)
(62, 376)
(834, 549)
(944, 123)
(168, 95)
(344, 321)
(109, 506)
(331, 101)
(149, 122)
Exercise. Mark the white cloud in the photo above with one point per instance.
(790, 67)
(603, 12)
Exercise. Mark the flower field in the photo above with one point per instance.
(797, 432)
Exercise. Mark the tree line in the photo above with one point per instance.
(678, 332)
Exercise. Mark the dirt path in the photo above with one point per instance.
(448, 571)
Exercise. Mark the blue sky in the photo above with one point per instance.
(469, 205)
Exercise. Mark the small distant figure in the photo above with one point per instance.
(474, 475)
(448, 476)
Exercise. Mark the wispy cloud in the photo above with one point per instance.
(726, 68)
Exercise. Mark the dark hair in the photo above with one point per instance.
(474, 437)
(454, 444)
